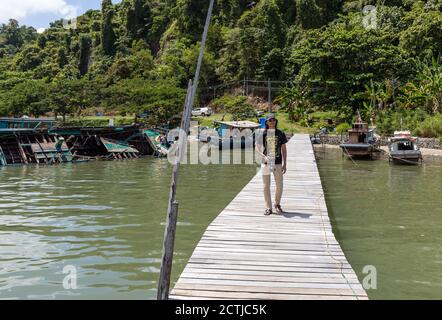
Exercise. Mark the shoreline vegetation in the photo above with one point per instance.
(324, 59)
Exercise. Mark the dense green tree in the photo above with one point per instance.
(62, 59)
(229, 61)
(164, 99)
(191, 17)
(262, 34)
(28, 97)
(11, 33)
(117, 57)
(42, 40)
(424, 36)
(292, 100)
(336, 62)
(85, 54)
(143, 17)
(288, 10)
(62, 99)
(108, 36)
(29, 58)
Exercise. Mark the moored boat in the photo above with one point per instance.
(232, 134)
(26, 141)
(159, 140)
(403, 148)
(106, 142)
(362, 142)
(39, 141)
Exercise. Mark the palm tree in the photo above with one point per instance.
(430, 84)
(372, 93)
(292, 100)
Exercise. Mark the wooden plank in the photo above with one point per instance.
(266, 252)
(257, 272)
(246, 255)
(269, 286)
(270, 278)
(268, 289)
(226, 262)
(273, 267)
(216, 295)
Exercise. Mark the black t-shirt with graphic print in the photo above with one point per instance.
(276, 139)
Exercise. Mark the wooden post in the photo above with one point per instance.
(244, 87)
(22, 152)
(270, 95)
(169, 236)
(172, 211)
(169, 243)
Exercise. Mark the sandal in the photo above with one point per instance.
(268, 212)
(279, 209)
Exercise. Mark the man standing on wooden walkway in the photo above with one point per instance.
(273, 150)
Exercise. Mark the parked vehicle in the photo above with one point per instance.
(202, 112)
(145, 114)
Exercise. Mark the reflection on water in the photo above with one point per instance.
(390, 217)
(107, 220)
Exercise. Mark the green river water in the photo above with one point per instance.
(389, 217)
(106, 219)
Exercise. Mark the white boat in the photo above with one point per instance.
(403, 148)
(231, 134)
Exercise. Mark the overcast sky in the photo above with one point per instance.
(38, 13)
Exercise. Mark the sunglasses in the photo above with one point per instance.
(271, 120)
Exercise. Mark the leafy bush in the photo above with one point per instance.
(430, 128)
(98, 122)
(321, 124)
(324, 115)
(238, 106)
(391, 120)
(343, 128)
(223, 103)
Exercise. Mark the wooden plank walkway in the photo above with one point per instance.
(246, 255)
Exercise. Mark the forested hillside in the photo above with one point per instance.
(138, 55)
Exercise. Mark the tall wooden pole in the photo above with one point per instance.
(269, 85)
(172, 212)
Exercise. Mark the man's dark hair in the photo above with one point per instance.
(276, 126)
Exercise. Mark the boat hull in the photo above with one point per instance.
(231, 143)
(363, 151)
(412, 158)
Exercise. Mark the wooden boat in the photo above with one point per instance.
(233, 134)
(26, 123)
(26, 141)
(106, 142)
(162, 145)
(403, 148)
(362, 142)
(39, 141)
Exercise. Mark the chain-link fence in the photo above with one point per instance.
(267, 90)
